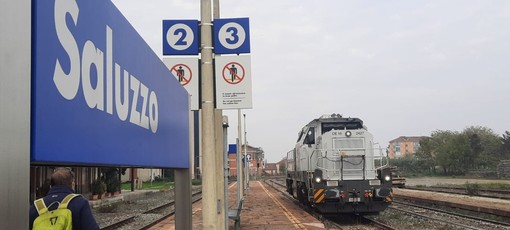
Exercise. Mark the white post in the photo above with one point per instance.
(209, 197)
(220, 180)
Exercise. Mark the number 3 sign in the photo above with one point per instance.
(180, 37)
(231, 36)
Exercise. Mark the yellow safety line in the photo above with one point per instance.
(287, 213)
(232, 185)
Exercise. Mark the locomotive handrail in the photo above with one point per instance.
(310, 160)
(387, 163)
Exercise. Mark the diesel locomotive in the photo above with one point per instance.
(335, 168)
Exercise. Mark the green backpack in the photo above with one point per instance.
(60, 218)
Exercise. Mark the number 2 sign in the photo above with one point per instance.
(180, 37)
(231, 36)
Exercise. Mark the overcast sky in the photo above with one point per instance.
(406, 68)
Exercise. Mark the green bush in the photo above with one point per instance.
(113, 185)
(196, 182)
(503, 186)
(98, 187)
(157, 185)
(472, 189)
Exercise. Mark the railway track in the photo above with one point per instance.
(490, 193)
(426, 217)
(430, 218)
(471, 217)
(474, 206)
(338, 222)
(151, 216)
(446, 218)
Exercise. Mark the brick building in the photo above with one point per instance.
(403, 146)
(256, 156)
(271, 169)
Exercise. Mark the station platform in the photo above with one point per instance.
(263, 208)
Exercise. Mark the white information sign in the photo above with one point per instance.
(233, 82)
(186, 72)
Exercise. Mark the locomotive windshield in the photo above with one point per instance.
(328, 126)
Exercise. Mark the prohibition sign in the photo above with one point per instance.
(231, 73)
(180, 72)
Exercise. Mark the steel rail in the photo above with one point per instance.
(325, 220)
(454, 214)
(434, 219)
(131, 219)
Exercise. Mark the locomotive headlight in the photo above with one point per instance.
(387, 178)
(317, 176)
(348, 133)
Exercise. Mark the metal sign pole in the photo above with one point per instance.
(183, 213)
(225, 168)
(240, 183)
(183, 203)
(247, 161)
(15, 116)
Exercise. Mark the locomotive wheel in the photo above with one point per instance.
(290, 188)
(302, 192)
(305, 194)
(298, 192)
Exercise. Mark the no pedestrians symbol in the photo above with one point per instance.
(183, 73)
(233, 73)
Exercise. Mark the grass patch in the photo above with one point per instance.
(472, 189)
(155, 185)
(478, 186)
(503, 186)
(196, 182)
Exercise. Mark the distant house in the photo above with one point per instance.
(255, 156)
(142, 174)
(271, 169)
(403, 146)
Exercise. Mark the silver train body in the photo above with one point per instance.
(335, 168)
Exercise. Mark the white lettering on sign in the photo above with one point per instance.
(92, 57)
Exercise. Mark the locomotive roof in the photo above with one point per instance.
(336, 118)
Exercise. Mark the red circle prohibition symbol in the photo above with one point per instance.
(232, 69)
(181, 73)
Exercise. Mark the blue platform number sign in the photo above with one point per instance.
(180, 37)
(231, 36)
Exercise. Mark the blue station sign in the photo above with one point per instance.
(100, 95)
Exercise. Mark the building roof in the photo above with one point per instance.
(283, 161)
(270, 166)
(408, 139)
(249, 149)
